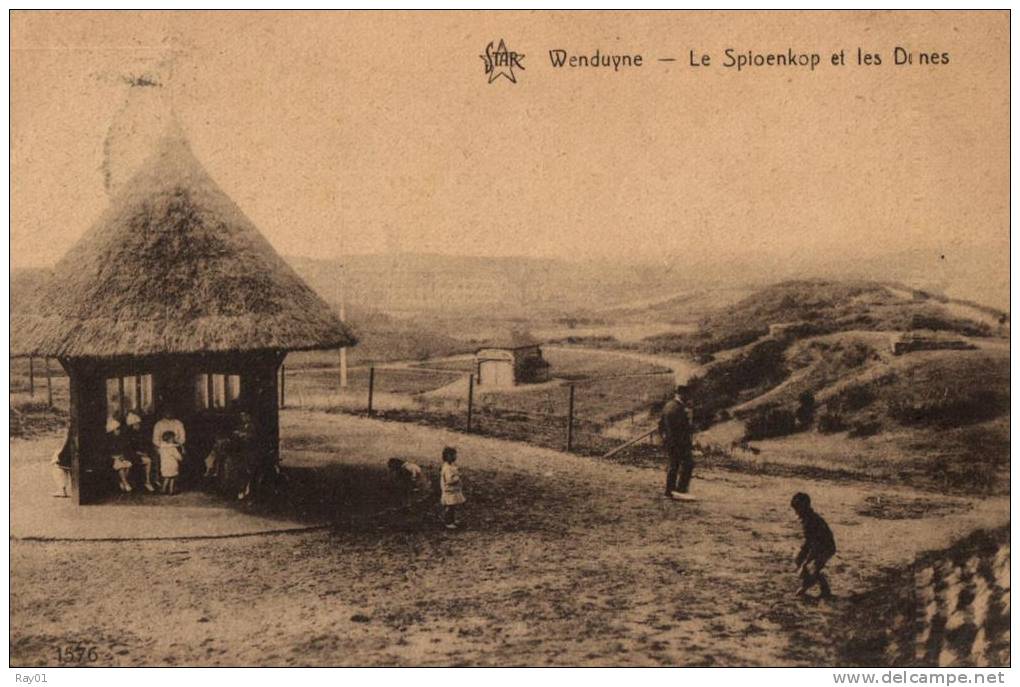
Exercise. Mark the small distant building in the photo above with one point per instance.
(511, 360)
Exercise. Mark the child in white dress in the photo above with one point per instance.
(452, 491)
(169, 461)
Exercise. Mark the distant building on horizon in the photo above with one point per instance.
(511, 360)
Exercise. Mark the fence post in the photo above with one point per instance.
(283, 386)
(471, 399)
(49, 384)
(371, 387)
(31, 376)
(570, 421)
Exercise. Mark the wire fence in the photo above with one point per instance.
(588, 415)
(38, 380)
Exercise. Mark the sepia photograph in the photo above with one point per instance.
(510, 339)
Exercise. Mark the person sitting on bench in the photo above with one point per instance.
(138, 449)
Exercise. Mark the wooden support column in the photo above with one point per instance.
(74, 431)
(283, 386)
(266, 406)
(91, 475)
(49, 384)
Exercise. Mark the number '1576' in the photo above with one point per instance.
(77, 654)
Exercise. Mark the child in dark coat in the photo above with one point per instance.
(819, 546)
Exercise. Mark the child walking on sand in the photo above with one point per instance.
(819, 546)
(452, 491)
(169, 461)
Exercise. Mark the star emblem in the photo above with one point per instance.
(501, 62)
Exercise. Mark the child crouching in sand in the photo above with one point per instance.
(452, 491)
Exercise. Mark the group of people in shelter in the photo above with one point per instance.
(153, 461)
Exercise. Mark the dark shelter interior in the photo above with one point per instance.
(207, 393)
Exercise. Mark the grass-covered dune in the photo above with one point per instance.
(816, 307)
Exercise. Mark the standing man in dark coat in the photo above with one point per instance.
(677, 432)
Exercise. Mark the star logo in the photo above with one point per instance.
(501, 62)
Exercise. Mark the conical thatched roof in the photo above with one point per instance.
(173, 266)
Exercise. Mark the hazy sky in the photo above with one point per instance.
(395, 111)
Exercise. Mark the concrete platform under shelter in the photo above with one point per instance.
(36, 514)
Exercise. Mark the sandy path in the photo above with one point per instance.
(565, 560)
(682, 369)
(954, 307)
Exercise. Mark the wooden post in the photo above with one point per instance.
(31, 376)
(120, 396)
(49, 384)
(471, 399)
(283, 386)
(74, 407)
(343, 315)
(371, 387)
(570, 421)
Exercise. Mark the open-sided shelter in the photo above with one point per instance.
(172, 300)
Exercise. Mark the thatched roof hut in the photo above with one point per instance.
(173, 266)
(171, 303)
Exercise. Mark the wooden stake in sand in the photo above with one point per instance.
(630, 443)
(371, 387)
